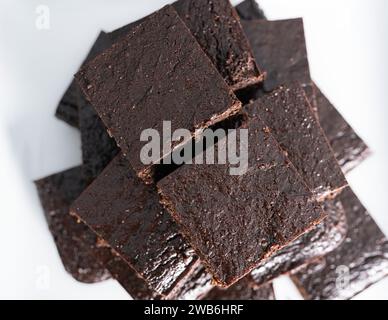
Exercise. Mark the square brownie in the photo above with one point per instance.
(281, 48)
(216, 26)
(144, 79)
(236, 222)
(127, 215)
(288, 114)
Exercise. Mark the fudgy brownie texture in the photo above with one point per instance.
(216, 26)
(349, 149)
(127, 215)
(359, 262)
(280, 47)
(67, 109)
(245, 289)
(250, 10)
(326, 237)
(289, 116)
(144, 79)
(75, 242)
(234, 222)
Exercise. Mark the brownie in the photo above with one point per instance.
(358, 263)
(250, 10)
(245, 289)
(281, 48)
(75, 242)
(235, 222)
(144, 79)
(216, 26)
(288, 114)
(67, 109)
(82, 253)
(326, 237)
(127, 215)
(349, 149)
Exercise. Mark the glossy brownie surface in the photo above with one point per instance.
(234, 222)
(143, 80)
(127, 215)
(288, 114)
(358, 263)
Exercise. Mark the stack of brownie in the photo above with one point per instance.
(195, 231)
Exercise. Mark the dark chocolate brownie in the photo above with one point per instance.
(281, 48)
(359, 262)
(250, 10)
(289, 116)
(75, 242)
(67, 109)
(234, 222)
(127, 215)
(245, 289)
(216, 26)
(349, 149)
(326, 237)
(144, 79)
(82, 253)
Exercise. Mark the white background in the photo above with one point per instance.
(347, 43)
